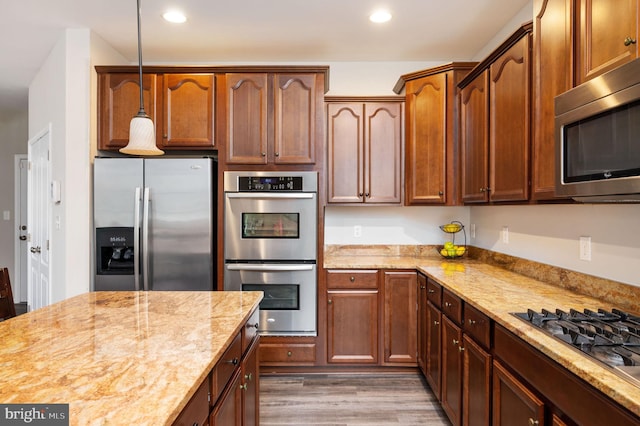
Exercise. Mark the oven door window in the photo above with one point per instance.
(277, 297)
(271, 225)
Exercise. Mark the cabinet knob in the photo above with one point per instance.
(256, 325)
(533, 422)
(233, 361)
(367, 195)
(440, 193)
(447, 304)
(471, 322)
(244, 387)
(629, 41)
(352, 278)
(264, 154)
(422, 287)
(277, 154)
(248, 377)
(329, 301)
(460, 349)
(360, 194)
(481, 189)
(289, 353)
(431, 291)
(455, 342)
(436, 323)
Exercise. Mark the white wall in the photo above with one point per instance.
(391, 225)
(525, 15)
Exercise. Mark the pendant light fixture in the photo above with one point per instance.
(142, 135)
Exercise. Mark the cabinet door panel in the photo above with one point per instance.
(251, 386)
(476, 401)
(188, 111)
(427, 139)
(228, 410)
(383, 152)
(552, 75)
(434, 346)
(352, 327)
(345, 148)
(474, 140)
(119, 102)
(509, 124)
(423, 324)
(246, 118)
(451, 370)
(295, 119)
(400, 322)
(603, 28)
(513, 403)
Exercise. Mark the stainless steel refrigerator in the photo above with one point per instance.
(154, 223)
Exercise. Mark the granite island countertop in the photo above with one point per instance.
(497, 292)
(119, 357)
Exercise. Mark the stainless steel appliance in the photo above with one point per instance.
(611, 337)
(154, 223)
(270, 245)
(598, 138)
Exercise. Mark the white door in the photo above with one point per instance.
(20, 227)
(38, 219)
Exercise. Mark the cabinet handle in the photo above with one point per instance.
(248, 377)
(289, 353)
(533, 422)
(471, 322)
(455, 342)
(629, 41)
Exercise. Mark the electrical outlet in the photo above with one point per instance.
(357, 231)
(6, 215)
(585, 248)
(505, 234)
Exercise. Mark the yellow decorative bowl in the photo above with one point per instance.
(451, 228)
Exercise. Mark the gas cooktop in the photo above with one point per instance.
(611, 337)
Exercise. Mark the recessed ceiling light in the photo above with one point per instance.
(380, 16)
(174, 16)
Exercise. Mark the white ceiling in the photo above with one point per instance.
(319, 31)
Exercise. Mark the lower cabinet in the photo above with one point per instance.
(513, 403)
(371, 317)
(230, 395)
(451, 370)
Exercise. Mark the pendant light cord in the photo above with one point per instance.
(141, 112)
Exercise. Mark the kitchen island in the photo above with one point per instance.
(496, 293)
(120, 357)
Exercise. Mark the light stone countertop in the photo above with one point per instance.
(119, 358)
(497, 292)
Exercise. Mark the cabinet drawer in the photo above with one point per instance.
(287, 353)
(477, 325)
(197, 409)
(250, 330)
(224, 369)
(352, 279)
(434, 293)
(452, 306)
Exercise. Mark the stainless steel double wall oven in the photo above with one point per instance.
(271, 228)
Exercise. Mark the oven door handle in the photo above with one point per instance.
(269, 268)
(271, 195)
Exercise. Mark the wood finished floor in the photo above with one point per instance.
(345, 400)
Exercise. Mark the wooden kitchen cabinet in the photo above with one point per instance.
(606, 36)
(451, 396)
(119, 102)
(250, 384)
(181, 106)
(476, 368)
(513, 403)
(271, 118)
(423, 324)
(365, 145)
(400, 317)
(432, 121)
(188, 112)
(279, 351)
(552, 75)
(352, 317)
(434, 338)
(498, 171)
(228, 410)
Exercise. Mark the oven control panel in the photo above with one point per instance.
(269, 183)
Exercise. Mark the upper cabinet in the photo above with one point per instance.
(364, 149)
(271, 118)
(181, 106)
(606, 36)
(432, 113)
(495, 121)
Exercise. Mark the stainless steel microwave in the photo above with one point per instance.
(597, 128)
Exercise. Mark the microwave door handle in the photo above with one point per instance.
(136, 240)
(272, 196)
(269, 268)
(145, 241)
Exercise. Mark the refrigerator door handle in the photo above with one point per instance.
(136, 240)
(145, 241)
